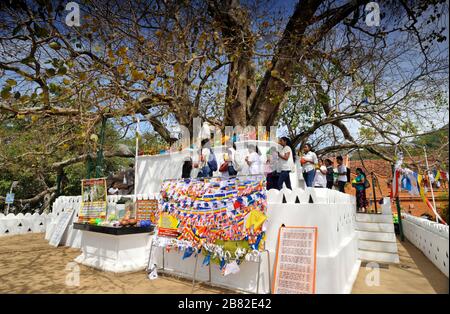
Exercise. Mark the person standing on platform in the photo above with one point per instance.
(271, 168)
(359, 183)
(330, 173)
(320, 179)
(232, 165)
(187, 168)
(254, 160)
(285, 162)
(342, 174)
(309, 161)
(205, 152)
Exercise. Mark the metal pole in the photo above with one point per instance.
(269, 271)
(136, 158)
(209, 272)
(13, 185)
(259, 273)
(89, 165)
(195, 273)
(374, 193)
(99, 161)
(402, 236)
(397, 202)
(431, 185)
(58, 183)
(7, 208)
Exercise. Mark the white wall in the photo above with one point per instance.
(153, 170)
(429, 237)
(20, 224)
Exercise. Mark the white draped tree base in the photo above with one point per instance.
(332, 212)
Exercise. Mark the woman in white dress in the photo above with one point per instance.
(254, 160)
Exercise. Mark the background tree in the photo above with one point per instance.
(313, 67)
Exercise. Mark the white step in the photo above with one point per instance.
(371, 226)
(381, 257)
(374, 218)
(379, 246)
(376, 236)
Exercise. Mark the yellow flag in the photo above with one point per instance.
(421, 189)
(438, 176)
(256, 219)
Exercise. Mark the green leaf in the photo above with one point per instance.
(5, 93)
(40, 31)
(55, 45)
(62, 70)
(50, 71)
(53, 87)
(11, 82)
(28, 60)
(16, 30)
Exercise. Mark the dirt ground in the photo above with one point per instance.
(414, 274)
(29, 265)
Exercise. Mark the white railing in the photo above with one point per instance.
(20, 224)
(429, 237)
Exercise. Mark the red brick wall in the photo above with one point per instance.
(410, 204)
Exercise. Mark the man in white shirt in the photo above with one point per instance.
(342, 174)
(309, 161)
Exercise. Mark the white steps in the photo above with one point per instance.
(388, 247)
(379, 256)
(376, 237)
(375, 227)
(374, 218)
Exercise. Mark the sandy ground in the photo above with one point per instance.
(414, 274)
(29, 265)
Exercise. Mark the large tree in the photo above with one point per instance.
(312, 66)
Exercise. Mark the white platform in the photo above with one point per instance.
(114, 253)
(337, 253)
(332, 212)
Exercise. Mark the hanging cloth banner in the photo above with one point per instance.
(410, 182)
(437, 176)
(425, 199)
(217, 209)
(395, 183)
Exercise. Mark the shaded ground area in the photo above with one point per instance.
(29, 265)
(415, 274)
